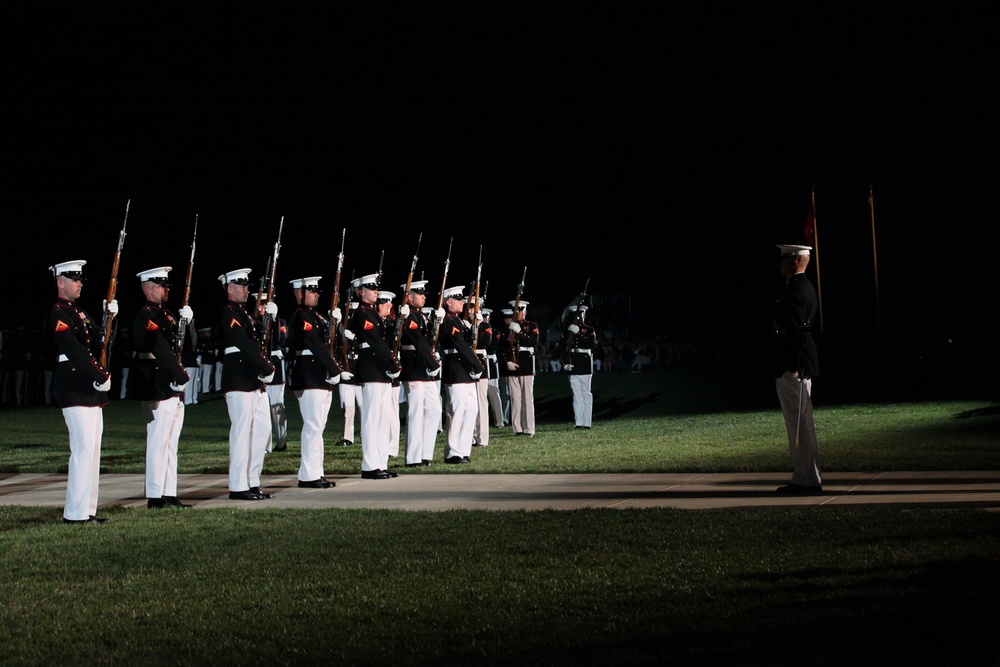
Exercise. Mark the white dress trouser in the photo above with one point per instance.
(164, 420)
(462, 399)
(86, 426)
(205, 373)
(392, 424)
(249, 435)
(191, 388)
(481, 432)
(375, 397)
(423, 415)
(493, 396)
(522, 403)
(795, 396)
(350, 397)
(314, 404)
(583, 399)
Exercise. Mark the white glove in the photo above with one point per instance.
(186, 313)
(393, 374)
(573, 329)
(346, 376)
(271, 308)
(479, 318)
(111, 309)
(336, 315)
(568, 367)
(404, 311)
(106, 385)
(333, 380)
(348, 334)
(177, 387)
(439, 314)
(266, 378)
(515, 327)
(511, 366)
(475, 376)
(433, 373)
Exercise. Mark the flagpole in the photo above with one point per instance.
(819, 283)
(871, 206)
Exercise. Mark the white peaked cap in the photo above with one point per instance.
(76, 266)
(241, 276)
(302, 283)
(159, 272)
(793, 250)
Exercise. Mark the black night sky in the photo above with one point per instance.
(661, 153)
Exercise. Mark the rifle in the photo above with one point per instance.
(268, 320)
(112, 288)
(437, 322)
(475, 304)
(571, 339)
(517, 307)
(343, 339)
(335, 299)
(182, 325)
(409, 282)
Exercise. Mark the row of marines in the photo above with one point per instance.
(419, 351)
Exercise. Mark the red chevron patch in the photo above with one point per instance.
(61, 326)
(235, 323)
(151, 326)
(413, 325)
(306, 326)
(369, 326)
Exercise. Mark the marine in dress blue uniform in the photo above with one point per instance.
(315, 372)
(460, 370)
(80, 388)
(419, 376)
(157, 381)
(245, 373)
(350, 387)
(275, 389)
(519, 356)
(795, 365)
(577, 349)
(376, 369)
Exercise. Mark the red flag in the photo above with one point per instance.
(810, 229)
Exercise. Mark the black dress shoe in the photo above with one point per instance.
(262, 494)
(426, 463)
(414, 465)
(249, 494)
(345, 443)
(392, 473)
(466, 459)
(97, 519)
(329, 484)
(281, 448)
(454, 459)
(172, 501)
(375, 474)
(314, 484)
(799, 490)
(156, 503)
(88, 520)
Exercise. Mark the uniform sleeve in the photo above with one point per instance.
(369, 333)
(150, 328)
(315, 343)
(453, 331)
(62, 330)
(412, 335)
(237, 334)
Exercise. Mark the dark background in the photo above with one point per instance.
(658, 152)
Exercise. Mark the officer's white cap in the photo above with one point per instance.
(76, 266)
(507, 312)
(385, 296)
(239, 276)
(454, 292)
(418, 286)
(522, 305)
(486, 312)
(161, 272)
(793, 250)
(354, 305)
(304, 283)
(370, 281)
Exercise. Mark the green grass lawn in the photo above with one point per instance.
(752, 586)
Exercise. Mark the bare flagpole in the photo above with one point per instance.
(871, 206)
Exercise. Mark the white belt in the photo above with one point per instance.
(481, 353)
(450, 350)
(63, 357)
(587, 351)
(278, 353)
(408, 348)
(232, 349)
(365, 346)
(529, 350)
(145, 355)
(303, 353)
